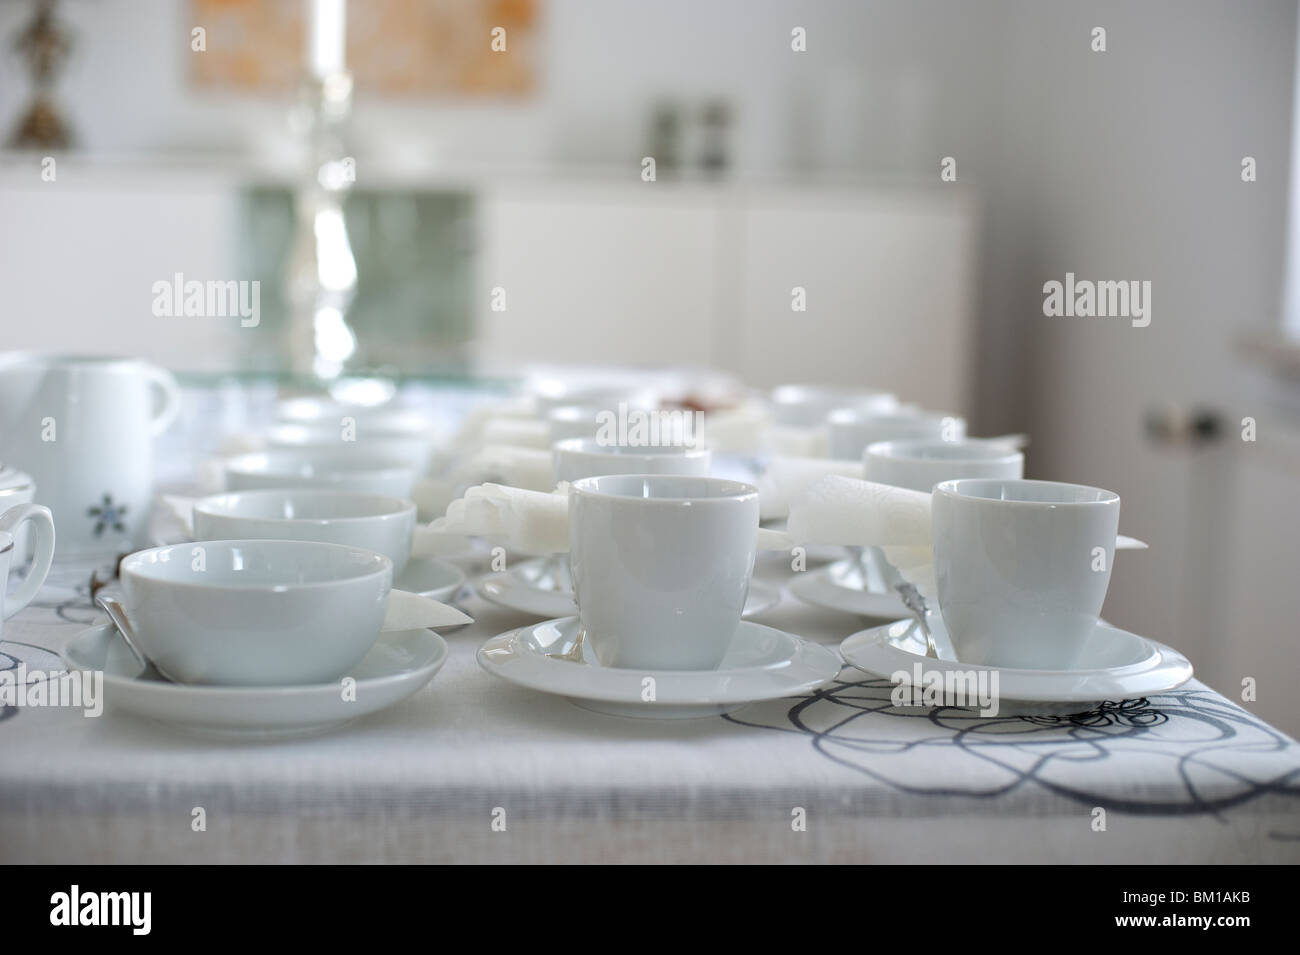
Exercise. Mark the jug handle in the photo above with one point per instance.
(171, 398)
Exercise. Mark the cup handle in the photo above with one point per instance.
(44, 525)
(171, 395)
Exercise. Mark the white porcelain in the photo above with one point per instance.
(517, 589)
(849, 431)
(397, 666)
(314, 467)
(577, 458)
(920, 465)
(430, 577)
(554, 394)
(256, 612)
(17, 487)
(759, 663)
(356, 519)
(808, 406)
(415, 450)
(13, 518)
(843, 586)
(574, 421)
(1022, 567)
(1112, 665)
(661, 566)
(83, 428)
(331, 416)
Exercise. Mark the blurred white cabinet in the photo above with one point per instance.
(887, 286)
(596, 274)
(705, 275)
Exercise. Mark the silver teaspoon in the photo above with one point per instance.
(117, 613)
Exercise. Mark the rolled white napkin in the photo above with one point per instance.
(520, 432)
(523, 520)
(523, 467)
(736, 430)
(529, 521)
(842, 510)
(786, 478)
(476, 420)
(801, 442)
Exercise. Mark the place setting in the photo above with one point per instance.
(1004, 579)
(261, 638)
(661, 568)
(541, 583)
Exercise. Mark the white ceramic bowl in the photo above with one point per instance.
(412, 449)
(850, 430)
(256, 612)
(807, 406)
(578, 458)
(313, 467)
(369, 521)
(920, 465)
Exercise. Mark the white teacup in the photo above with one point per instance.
(1022, 568)
(11, 520)
(808, 406)
(414, 449)
(313, 467)
(578, 458)
(661, 566)
(17, 488)
(920, 465)
(353, 518)
(850, 431)
(256, 612)
(83, 427)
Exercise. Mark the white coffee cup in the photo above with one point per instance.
(83, 427)
(577, 458)
(256, 612)
(17, 488)
(920, 465)
(661, 566)
(11, 520)
(415, 449)
(808, 406)
(1022, 568)
(323, 468)
(849, 430)
(355, 519)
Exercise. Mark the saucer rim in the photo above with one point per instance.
(1163, 659)
(804, 654)
(437, 658)
(891, 605)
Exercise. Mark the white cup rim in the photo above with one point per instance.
(291, 459)
(622, 487)
(593, 446)
(52, 360)
(857, 415)
(137, 565)
(386, 507)
(981, 489)
(913, 449)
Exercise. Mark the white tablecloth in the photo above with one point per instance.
(1184, 777)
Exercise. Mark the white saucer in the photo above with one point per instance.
(400, 663)
(1116, 665)
(431, 577)
(762, 664)
(515, 589)
(835, 588)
